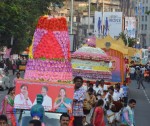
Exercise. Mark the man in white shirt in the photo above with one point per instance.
(96, 87)
(132, 72)
(86, 86)
(22, 100)
(103, 87)
(47, 101)
(118, 95)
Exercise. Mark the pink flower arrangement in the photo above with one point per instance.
(96, 56)
(92, 75)
(90, 56)
(91, 41)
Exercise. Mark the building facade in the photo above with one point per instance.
(145, 24)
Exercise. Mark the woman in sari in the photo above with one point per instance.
(7, 107)
(98, 116)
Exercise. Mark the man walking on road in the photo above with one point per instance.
(128, 114)
(139, 78)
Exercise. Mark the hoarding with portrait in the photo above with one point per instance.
(57, 97)
(112, 24)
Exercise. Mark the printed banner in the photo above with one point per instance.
(56, 97)
(112, 24)
(130, 26)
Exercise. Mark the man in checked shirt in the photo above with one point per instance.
(78, 99)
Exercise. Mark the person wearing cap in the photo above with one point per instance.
(37, 111)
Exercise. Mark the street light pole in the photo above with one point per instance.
(71, 21)
(89, 1)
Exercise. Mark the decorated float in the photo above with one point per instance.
(91, 64)
(118, 53)
(48, 70)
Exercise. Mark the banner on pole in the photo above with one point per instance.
(112, 24)
(130, 26)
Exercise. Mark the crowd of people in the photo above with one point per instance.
(93, 105)
(94, 102)
(140, 72)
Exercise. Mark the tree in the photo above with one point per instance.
(131, 41)
(18, 21)
(148, 12)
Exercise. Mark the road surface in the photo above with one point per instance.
(142, 110)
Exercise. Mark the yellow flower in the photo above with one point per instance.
(30, 51)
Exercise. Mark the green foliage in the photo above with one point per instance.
(131, 41)
(148, 12)
(19, 19)
(93, 8)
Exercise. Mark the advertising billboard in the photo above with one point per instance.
(130, 26)
(112, 24)
(56, 97)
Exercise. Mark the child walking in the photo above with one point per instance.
(98, 117)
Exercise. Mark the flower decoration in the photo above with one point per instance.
(50, 59)
(53, 24)
(48, 47)
(91, 64)
(91, 41)
(91, 53)
(37, 37)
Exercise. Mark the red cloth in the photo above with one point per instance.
(99, 119)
